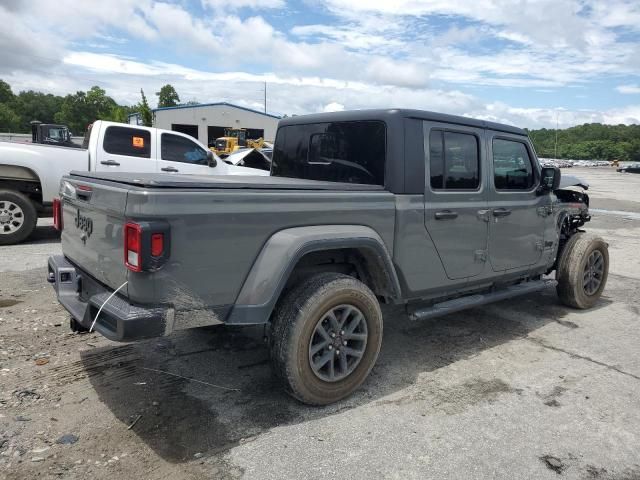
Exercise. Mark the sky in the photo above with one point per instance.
(530, 63)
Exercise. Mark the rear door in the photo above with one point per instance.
(516, 231)
(125, 149)
(179, 154)
(456, 198)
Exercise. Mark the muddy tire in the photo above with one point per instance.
(18, 217)
(583, 268)
(325, 338)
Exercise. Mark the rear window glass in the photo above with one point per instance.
(132, 142)
(351, 152)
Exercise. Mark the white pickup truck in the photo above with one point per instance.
(30, 173)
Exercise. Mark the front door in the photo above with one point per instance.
(455, 198)
(516, 230)
(179, 154)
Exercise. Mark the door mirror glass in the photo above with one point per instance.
(549, 179)
(211, 159)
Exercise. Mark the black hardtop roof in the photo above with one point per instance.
(394, 114)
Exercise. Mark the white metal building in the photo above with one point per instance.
(208, 121)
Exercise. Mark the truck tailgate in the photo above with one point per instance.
(92, 234)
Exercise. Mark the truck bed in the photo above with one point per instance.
(218, 227)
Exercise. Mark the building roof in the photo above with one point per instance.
(216, 104)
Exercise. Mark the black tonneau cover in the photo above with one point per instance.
(163, 180)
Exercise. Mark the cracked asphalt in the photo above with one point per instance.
(523, 388)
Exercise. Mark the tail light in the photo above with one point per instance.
(132, 244)
(146, 245)
(57, 214)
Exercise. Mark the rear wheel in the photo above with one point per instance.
(582, 271)
(18, 217)
(325, 338)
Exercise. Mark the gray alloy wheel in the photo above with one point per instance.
(338, 343)
(11, 217)
(593, 272)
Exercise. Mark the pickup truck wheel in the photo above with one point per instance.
(325, 338)
(18, 217)
(582, 271)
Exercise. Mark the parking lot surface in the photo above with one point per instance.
(525, 388)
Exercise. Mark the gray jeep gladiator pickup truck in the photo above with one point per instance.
(435, 212)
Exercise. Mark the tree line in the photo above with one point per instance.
(591, 141)
(74, 110)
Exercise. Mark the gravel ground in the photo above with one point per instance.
(519, 389)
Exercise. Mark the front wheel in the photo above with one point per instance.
(583, 268)
(325, 338)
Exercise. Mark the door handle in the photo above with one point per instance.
(112, 163)
(501, 212)
(483, 215)
(446, 215)
(169, 169)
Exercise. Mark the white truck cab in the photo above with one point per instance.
(30, 173)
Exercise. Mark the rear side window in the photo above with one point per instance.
(132, 142)
(179, 149)
(351, 152)
(454, 161)
(512, 167)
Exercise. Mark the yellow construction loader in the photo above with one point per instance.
(234, 139)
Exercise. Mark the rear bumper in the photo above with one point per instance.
(119, 320)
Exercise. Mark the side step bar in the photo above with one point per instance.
(462, 303)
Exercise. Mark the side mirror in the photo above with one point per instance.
(549, 180)
(211, 160)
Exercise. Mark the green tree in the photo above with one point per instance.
(79, 110)
(30, 105)
(118, 114)
(9, 120)
(6, 95)
(145, 111)
(167, 96)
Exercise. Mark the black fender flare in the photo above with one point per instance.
(281, 253)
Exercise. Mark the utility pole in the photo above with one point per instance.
(555, 155)
(265, 97)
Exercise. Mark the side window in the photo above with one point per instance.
(436, 159)
(512, 167)
(179, 149)
(454, 161)
(131, 142)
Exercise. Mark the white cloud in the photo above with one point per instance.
(368, 54)
(333, 107)
(237, 4)
(628, 89)
(122, 78)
